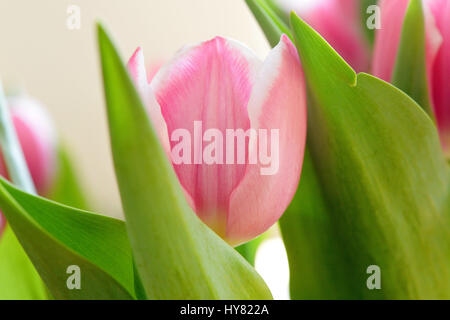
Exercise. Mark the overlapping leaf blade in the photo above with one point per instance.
(18, 277)
(318, 265)
(373, 188)
(378, 159)
(56, 236)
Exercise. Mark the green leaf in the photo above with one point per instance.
(18, 278)
(410, 74)
(381, 170)
(272, 24)
(248, 249)
(319, 263)
(56, 236)
(66, 189)
(177, 256)
(369, 33)
(280, 12)
(318, 267)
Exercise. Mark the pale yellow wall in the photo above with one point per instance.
(60, 67)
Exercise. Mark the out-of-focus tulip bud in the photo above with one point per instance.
(437, 30)
(211, 95)
(38, 140)
(339, 22)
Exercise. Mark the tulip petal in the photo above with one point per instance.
(278, 101)
(138, 72)
(209, 83)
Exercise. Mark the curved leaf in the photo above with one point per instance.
(56, 236)
(18, 277)
(318, 265)
(270, 22)
(379, 164)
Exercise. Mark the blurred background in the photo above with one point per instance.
(60, 67)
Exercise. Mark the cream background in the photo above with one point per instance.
(60, 67)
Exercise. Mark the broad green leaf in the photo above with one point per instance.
(269, 21)
(410, 74)
(56, 236)
(382, 173)
(318, 261)
(66, 189)
(177, 256)
(18, 278)
(318, 267)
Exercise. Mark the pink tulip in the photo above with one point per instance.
(37, 138)
(339, 22)
(225, 86)
(437, 30)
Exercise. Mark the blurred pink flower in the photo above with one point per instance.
(339, 22)
(225, 86)
(37, 138)
(437, 29)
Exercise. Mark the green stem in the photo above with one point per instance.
(12, 151)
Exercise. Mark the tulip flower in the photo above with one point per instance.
(37, 138)
(437, 30)
(339, 22)
(217, 87)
